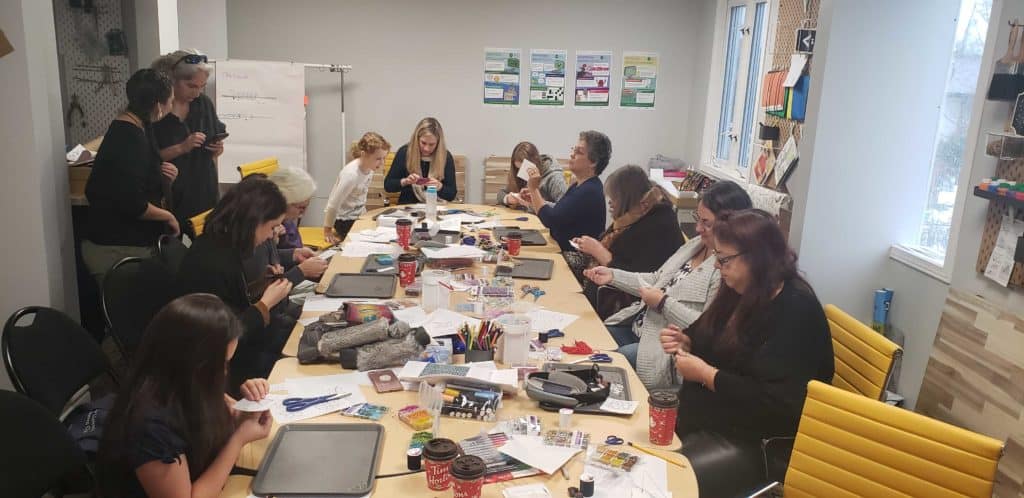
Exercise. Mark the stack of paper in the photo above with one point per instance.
(454, 251)
(532, 451)
(506, 379)
(648, 479)
(377, 235)
(356, 249)
(542, 320)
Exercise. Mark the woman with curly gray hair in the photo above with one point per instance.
(187, 135)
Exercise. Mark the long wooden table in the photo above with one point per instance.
(562, 294)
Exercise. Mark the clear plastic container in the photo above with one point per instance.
(431, 196)
(435, 295)
(515, 341)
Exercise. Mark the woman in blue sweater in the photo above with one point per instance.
(581, 211)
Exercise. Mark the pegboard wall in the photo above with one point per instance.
(90, 75)
(1012, 170)
(793, 14)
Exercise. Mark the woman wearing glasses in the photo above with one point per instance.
(187, 135)
(676, 293)
(747, 360)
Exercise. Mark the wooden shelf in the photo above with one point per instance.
(992, 196)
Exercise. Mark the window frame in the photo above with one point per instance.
(708, 164)
(913, 254)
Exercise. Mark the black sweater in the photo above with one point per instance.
(763, 395)
(125, 179)
(195, 189)
(216, 268)
(398, 171)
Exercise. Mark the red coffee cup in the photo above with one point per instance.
(514, 241)
(468, 476)
(663, 407)
(406, 269)
(403, 228)
(438, 455)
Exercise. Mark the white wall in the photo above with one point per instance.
(875, 80)
(33, 204)
(202, 24)
(155, 29)
(413, 59)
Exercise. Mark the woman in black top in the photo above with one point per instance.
(644, 233)
(126, 187)
(186, 134)
(421, 163)
(747, 360)
(172, 431)
(243, 220)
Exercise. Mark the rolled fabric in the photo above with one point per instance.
(392, 352)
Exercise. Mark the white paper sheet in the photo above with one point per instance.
(322, 303)
(464, 218)
(244, 405)
(542, 320)
(458, 251)
(306, 321)
(619, 406)
(414, 316)
(796, 68)
(442, 322)
(380, 235)
(532, 451)
(262, 105)
(649, 478)
(524, 170)
(787, 157)
(1000, 263)
(355, 249)
(527, 491)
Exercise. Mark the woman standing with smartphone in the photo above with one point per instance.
(188, 135)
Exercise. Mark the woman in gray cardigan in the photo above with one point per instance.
(676, 293)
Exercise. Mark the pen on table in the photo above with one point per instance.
(652, 453)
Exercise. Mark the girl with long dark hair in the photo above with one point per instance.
(747, 360)
(172, 431)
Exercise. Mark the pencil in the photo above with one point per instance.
(652, 453)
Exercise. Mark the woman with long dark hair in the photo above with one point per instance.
(244, 218)
(747, 360)
(126, 188)
(552, 177)
(172, 431)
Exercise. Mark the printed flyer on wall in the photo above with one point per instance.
(593, 78)
(501, 76)
(547, 77)
(639, 79)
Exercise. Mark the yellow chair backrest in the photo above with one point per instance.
(265, 166)
(864, 358)
(848, 446)
(198, 222)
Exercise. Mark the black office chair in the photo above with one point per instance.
(134, 290)
(49, 357)
(37, 456)
(171, 251)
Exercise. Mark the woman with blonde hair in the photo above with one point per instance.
(423, 162)
(347, 201)
(186, 136)
(552, 183)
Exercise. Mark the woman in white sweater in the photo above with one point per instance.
(348, 197)
(675, 294)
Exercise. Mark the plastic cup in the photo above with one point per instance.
(514, 241)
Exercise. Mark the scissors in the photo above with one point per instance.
(299, 404)
(614, 440)
(596, 358)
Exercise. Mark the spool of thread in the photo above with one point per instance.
(542, 337)
(564, 418)
(587, 485)
(412, 458)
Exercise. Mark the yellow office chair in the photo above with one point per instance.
(392, 197)
(864, 358)
(848, 445)
(198, 222)
(265, 166)
(313, 237)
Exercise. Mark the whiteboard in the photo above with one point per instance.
(262, 105)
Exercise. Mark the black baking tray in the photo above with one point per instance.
(616, 376)
(531, 237)
(362, 285)
(370, 265)
(530, 268)
(320, 459)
